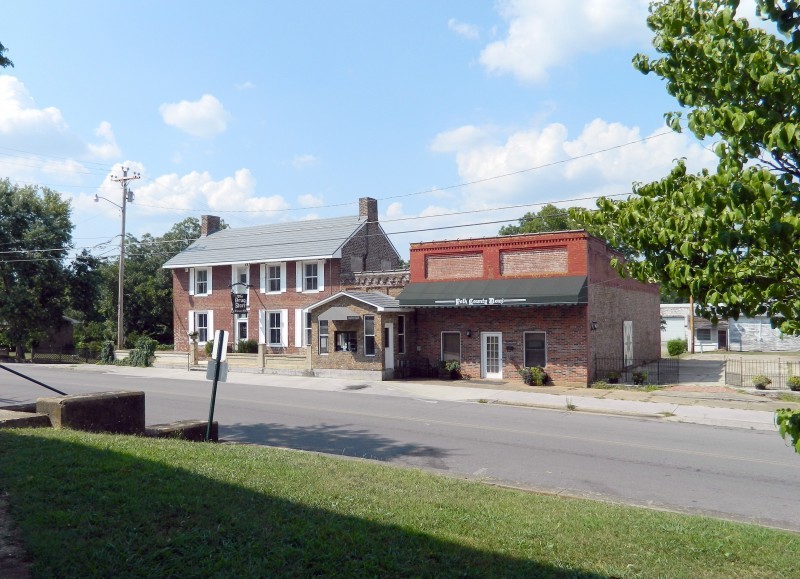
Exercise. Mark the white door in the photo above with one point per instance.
(388, 346)
(627, 342)
(491, 355)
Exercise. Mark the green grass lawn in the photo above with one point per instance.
(92, 505)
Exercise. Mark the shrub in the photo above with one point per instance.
(451, 367)
(247, 347)
(794, 383)
(143, 352)
(639, 377)
(613, 377)
(107, 352)
(209, 347)
(676, 347)
(761, 382)
(533, 376)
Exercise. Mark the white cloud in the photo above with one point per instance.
(545, 164)
(18, 112)
(543, 34)
(202, 118)
(303, 161)
(108, 149)
(463, 29)
(247, 85)
(464, 137)
(309, 201)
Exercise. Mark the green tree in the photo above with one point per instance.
(35, 233)
(730, 237)
(548, 218)
(4, 62)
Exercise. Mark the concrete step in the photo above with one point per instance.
(16, 419)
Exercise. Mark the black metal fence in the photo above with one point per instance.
(637, 372)
(46, 355)
(740, 372)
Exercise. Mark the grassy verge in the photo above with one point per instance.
(101, 505)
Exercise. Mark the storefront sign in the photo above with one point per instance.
(480, 301)
(239, 303)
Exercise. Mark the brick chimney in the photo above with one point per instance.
(368, 209)
(208, 224)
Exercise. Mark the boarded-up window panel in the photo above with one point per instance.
(533, 262)
(454, 266)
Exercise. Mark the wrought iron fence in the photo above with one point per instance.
(48, 355)
(740, 372)
(637, 372)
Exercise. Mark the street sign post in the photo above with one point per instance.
(218, 355)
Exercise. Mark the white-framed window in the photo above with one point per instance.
(369, 335)
(308, 329)
(310, 276)
(241, 327)
(273, 277)
(451, 346)
(401, 334)
(703, 334)
(240, 278)
(200, 281)
(323, 336)
(272, 327)
(535, 349)
(202, 322)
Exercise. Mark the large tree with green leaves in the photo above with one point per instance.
(35, 233)
(730, 238)
(548, 218)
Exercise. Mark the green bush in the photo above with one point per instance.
(142, 354)
(761, 382)
(107, 352)
(533, 376)
(794, 383)
(247, 347)
(676, 347)
(209, 347)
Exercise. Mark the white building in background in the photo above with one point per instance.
(742, 335)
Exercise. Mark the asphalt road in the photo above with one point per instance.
(731, 473)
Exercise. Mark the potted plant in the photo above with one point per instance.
(793, 383)
(613, 377)
(639, 377)
(761, 382)
(450, 369)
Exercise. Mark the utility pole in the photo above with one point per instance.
(127, 195)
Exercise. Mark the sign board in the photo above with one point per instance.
(220, 341)
(223, 371)
(239, 302)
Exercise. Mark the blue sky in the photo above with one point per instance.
(272, 111)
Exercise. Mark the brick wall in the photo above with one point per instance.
(371, 250)
(463, 266)
(564, 326)
(534, 262)
(490, 248)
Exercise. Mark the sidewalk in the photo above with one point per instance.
(700, 398)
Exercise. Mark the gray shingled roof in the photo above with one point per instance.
(378, 300)
(317, 238)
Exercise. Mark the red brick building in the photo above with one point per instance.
(552, 300)
(281, 269)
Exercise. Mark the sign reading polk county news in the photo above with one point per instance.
(239, 302)
(480, 301)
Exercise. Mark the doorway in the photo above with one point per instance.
(722, 339)
(492, 355)
(388, 346)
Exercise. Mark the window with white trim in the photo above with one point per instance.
(535, 349)
(451, 346)
(310, 277)
(273, 278)
(201, 326)
(323, 336)
(401, 334)
(241, 326)
(308, 329)
(703, 334)
(369, 335)
(274, 328)
(202, 281)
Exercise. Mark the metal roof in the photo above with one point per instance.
(568, 290)
(312, 239)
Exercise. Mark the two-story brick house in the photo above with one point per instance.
(281, 267)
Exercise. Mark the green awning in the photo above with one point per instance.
(546, 291)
